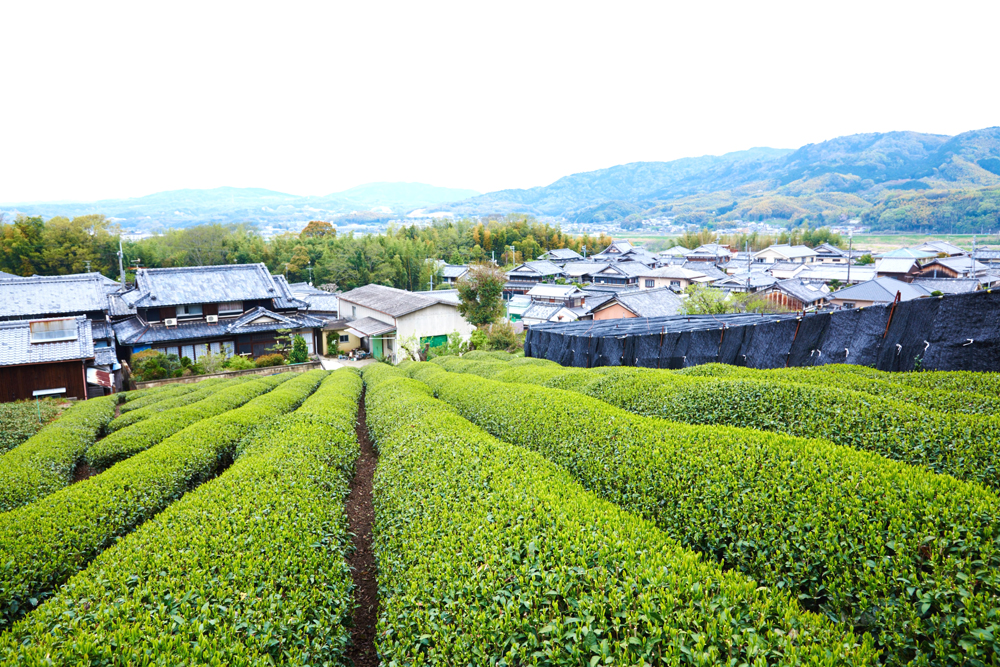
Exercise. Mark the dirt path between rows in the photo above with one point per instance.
(360, 515)
(84, 470)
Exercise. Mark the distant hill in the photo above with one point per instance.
(843, 177)
(182, 208)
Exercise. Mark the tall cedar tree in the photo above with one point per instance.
(481, 294)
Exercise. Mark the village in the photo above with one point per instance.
(74, 336)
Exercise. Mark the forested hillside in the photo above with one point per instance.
(397, 258)
(956, 180)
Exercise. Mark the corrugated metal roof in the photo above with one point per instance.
(52, 295)
(207, 284)
(948, 285)
(369, 326)
(17, 349)
(789, 251)
(895, 265)
(555, 291)
(391, 301)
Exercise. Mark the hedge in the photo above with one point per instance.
(937, 399)
(968, 381)
(19, 420)
(143, 435)
(170, 403)
(43, 544)
(964, 446)
(490, 555)
(249, 568)
(45, 462)
(909, 556)
(135, 400)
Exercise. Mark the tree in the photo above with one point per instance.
(318, 228)
(704, 300)
(480, 292)
(865, 260)
(300, 351)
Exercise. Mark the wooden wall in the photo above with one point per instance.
(17, 382)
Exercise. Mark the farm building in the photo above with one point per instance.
(878, 290)
(640, 303)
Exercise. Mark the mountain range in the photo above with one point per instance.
(892, 180)
(183, 208)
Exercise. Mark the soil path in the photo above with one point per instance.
(360, 515)
(84, 470)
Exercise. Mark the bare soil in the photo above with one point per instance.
(84, 470)
(360, 515)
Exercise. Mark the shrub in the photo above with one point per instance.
(142, 435)
(197, 551)
(239, 363)
(22, 419)
(501, 336)
(45, 462)
(490, 555)
(300, 351)
(478, 340)
(72, 526)
(332, 343)
(156, 366)
(909, 556)
(269, 360)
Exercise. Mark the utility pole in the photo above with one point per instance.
(585, 252)
(972, 258)
(87, 262)
(432, 282)
(850, 254)
(746, 249)
(310, 273)
(513, 256)
(121, 269)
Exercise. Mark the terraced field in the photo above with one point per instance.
(491, 510)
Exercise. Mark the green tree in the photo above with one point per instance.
(300, 351)
(480, 292)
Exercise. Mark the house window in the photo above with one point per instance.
(152, 314)
(849, 304)
(227, 308)
(650, 283)
(345, 338)
(675, 283)
(50, 331)
(189, 312)
(354, 312)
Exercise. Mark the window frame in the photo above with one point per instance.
(183, 311)
(231, 312)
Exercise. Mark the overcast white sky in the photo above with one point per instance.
(119, 100)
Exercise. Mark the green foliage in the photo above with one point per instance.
(332, 343)
(927, 211)
(908, 556)
(30, 245)
(74, 525)
(157, 366)
(865, 260)
(239, 363)
(703, 299)
(509, 561)
(480, 292)
(285, 600)
(202, 390)
(478, 340)
(45, 461)
(135, 400)
(142, 435)
(300, 351)
(22, 419)
(269, 360)
(501, 336)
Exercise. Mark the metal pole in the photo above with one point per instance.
(850, 255)
(972, 264)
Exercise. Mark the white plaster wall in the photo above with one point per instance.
(440, 319)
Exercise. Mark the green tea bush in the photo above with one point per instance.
(910, 557)
(72, 526)
(952, 401)
(142, 435)
(188, 398)
(140, 399)
(247, 569)
(490, 555)
(45, 462)
(22, 419)
(964, 446)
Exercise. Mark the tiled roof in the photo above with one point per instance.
(758, 279)
(16, 347)
(541, 311)
(454, 270)
(948, 285)
(101, 330)
(651, 302)
(206, 284)
(579, 269)
(789, 251)
(52, 295)
(539, 268)
(880, 290)
(676, 251)
(391, 301)
(105, 356)
(960, 265)
(908, 253)
(555, 291)
(829, 272)
(285, 300)
(677, 272)
(316, 299)
(564, 254)
(133, 331)
(710, 270)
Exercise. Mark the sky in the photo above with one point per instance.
(107, 100)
